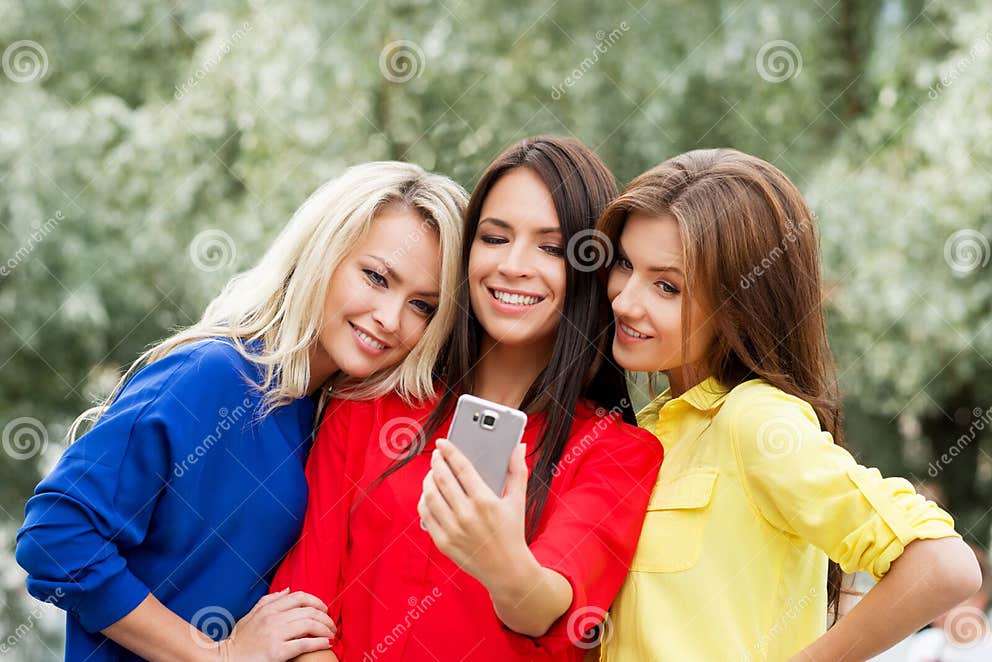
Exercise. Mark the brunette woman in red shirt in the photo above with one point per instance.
(416, 557)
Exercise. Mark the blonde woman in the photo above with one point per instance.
(163, 524)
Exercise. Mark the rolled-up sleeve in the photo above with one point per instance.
(804, 484)
(99, 500)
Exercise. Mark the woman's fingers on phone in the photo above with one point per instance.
(516, 480)
(447, 485)
(469, 479)
(436, 513)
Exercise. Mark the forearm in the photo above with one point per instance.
(528, 597)
(930, 577)
(154, 632)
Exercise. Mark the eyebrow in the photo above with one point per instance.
(395, 276)
(504, 224)
(659, 269)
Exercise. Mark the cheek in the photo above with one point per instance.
(413, 328)
(478, 262)
(614, 285)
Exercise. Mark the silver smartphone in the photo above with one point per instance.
(487, 433)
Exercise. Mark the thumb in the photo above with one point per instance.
(516, 480)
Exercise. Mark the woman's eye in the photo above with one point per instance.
(490, 239)
(667, 287)
(553, 250)
(423, 307)
(623, 263)
(375, 277)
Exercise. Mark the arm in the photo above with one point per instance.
(279, 627)
(528, 597)
(577, 563)
(101, 497)
(929, 578)
(813, 489)
(155, 633)
(484, 535)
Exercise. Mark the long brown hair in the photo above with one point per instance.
(581, 364)
(751, 250)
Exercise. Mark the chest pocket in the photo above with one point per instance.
(672, 536)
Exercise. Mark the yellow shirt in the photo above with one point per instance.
(751, 500)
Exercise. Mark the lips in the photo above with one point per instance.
(368, 341)
(515, 297)
(628, 334)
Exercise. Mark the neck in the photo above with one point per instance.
(321, 367)
(683, 378)
(504, 373)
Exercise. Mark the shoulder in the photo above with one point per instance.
(755, 401)
(192, 376)
(380, 410)
(770, 427)
(598, 428)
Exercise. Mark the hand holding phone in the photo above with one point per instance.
(486, 433)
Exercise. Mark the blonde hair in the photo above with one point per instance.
(280, 300)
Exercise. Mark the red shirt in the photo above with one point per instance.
(395, 596)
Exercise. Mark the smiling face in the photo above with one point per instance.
(516, 264)
(382, 296)
(646, 287)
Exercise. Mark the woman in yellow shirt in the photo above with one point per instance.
(715, 281)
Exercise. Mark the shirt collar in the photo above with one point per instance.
(707, 395)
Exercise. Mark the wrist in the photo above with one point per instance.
(515, 578)
(209, 650)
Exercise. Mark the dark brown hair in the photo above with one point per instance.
(751, 251)
(581, 364)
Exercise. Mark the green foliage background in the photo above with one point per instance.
(153, 122)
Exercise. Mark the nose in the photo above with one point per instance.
(387, 314)
(514, 263)
(627, 303)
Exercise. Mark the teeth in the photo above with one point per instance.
(630, 332)
(369, 340)
(515, 299)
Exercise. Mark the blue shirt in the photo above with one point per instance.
(179, 490)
